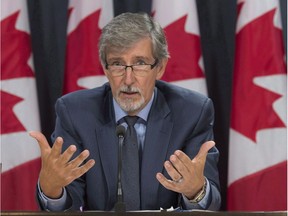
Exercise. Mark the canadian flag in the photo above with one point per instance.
(19, 110)
(257, 175)
(86, 19)
(180, 22)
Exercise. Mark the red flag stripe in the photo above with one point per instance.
(259, 191)
(18, 186)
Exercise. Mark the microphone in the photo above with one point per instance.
(120, 205)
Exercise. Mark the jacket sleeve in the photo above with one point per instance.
(202, 132)
(64, 128)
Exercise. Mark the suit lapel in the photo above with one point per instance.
(158, 132)
(108, 145)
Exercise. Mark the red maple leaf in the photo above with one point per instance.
(185, 52)
(82, 57)
(259, 52)
(16, 50)
(9, 121)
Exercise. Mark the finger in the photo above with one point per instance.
(67, 154)
(42, 141)
(184, 161)
(79, 159)
(57, 148)
(204, 149)
(172, 172)
(168, 184)
(79, 171)
(182, 156)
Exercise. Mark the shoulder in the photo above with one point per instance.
(85, 105)
(86, 95)
(85, 100)
(181, 96)
(190, 111)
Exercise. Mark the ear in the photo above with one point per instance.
(161, 68)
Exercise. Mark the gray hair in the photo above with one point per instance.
(128, 28)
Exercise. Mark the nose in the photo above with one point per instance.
(129, 77)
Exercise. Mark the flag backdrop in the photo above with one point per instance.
(63, 35)
(19, 110)
(180, 23)
(86, 19)
(258, 138)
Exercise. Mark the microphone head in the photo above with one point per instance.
(120, 130)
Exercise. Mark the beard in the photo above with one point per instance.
(130, 104)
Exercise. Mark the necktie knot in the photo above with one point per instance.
(131, 120)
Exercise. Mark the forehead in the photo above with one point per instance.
(140, 49)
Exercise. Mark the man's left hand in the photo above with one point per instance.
(187, 176)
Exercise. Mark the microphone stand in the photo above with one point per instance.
(120, 205)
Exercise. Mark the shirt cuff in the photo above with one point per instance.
(202, 203)
(52, 204)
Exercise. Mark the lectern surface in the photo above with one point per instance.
(144, 213)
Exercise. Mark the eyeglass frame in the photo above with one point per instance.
(131, 66)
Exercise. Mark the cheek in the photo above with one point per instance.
(114, 84)
(148, 88)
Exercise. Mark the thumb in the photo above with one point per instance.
(42, 141)
(204, 149)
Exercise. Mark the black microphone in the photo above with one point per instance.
(120, 205)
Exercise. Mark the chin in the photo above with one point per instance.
(131, 107)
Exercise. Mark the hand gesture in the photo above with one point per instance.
(187, 175)
(57, 170)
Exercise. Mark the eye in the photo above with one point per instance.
(115, 63)
(140, 62)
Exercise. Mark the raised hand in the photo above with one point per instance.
(57, 170)
(187, 175)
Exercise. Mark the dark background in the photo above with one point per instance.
(217, 21)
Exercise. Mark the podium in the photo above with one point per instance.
(144, 213)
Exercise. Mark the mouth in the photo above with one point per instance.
(129, 93)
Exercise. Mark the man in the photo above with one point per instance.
(177, 163)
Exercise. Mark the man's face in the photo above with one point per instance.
(133, 92)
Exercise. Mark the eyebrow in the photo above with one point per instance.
(133, 59)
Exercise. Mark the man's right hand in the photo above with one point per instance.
(57, 170)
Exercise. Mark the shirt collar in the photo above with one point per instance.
(143, 114)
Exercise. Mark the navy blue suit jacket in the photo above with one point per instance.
(179, 119)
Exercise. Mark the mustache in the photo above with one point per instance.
(129, 89)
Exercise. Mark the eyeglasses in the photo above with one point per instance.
(138, 69)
